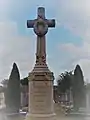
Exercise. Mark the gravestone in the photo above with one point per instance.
(41, 106)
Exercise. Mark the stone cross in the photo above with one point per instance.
(41, 79)
(41, 20)
(40, 26)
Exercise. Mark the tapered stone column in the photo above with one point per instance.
(41, 106)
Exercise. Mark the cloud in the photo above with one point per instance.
(78, 55)
(72, 14)
(15, 48)
(75, 16)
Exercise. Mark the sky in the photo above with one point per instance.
(68, 44)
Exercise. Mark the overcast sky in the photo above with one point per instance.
(68, 43)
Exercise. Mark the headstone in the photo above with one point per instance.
(41, 106)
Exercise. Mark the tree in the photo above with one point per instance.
(78, 87)
(65, 81)
(24, 81)
(12, 94)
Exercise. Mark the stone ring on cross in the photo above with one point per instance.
(40, 27)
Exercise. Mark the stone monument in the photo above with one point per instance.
(41, 106)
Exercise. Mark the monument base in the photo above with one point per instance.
(41, 116)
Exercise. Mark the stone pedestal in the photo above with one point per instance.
(41, 106)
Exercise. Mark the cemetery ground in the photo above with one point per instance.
(60, 115)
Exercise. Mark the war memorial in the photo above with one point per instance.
(40, 104)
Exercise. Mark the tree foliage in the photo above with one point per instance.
(78, 87)
(24, 81)
(65, 81)
(75, 81)
(12, 94)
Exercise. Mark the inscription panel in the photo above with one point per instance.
(41, 94)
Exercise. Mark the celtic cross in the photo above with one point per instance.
(40, 26)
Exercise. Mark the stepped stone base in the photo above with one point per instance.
(40, 117)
